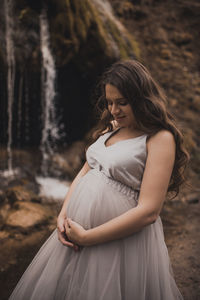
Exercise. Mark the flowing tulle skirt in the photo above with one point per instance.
(133, 268)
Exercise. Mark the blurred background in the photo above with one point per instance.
(52, 54)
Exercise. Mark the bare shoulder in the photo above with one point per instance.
(162, 136)
(163, 140)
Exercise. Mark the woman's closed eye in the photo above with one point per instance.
(121, 102)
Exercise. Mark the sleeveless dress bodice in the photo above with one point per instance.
(123, 161)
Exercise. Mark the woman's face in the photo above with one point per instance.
(119, 107)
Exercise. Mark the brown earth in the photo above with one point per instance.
(182, 235)
(18, 247)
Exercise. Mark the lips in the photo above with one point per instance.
(119, 118)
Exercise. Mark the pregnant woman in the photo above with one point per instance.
(109, 242)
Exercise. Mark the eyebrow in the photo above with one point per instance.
(118, 99)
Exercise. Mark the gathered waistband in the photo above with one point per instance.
(119, 186)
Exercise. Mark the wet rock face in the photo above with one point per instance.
(19, 193)
(27, 214)
(70, 162)
(22, 209)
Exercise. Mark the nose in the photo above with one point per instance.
(115, 109)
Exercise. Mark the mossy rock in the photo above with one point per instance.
(75, 26)
(19, 193)
(78, 24)
(2, 62)
(27, 214)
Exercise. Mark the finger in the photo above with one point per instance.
(67, 228)
(76, 247)
(62, 229)
(61, 237)
(73, 223)
(68, 234)
(60, 226)
(68, 244)
(64, 241)
(69, 222)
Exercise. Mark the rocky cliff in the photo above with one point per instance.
(167, 33)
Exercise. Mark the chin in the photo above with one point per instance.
(121, 123)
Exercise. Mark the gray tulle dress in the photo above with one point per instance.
(132, 268)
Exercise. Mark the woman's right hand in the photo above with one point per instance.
(62, 234)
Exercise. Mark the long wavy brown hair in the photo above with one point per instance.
(148, 102)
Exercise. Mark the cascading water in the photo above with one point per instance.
(9, 26)
(50, 131)
(106, 13)
(19, 110)
(26, 111)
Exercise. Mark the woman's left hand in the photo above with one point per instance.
(75, 232)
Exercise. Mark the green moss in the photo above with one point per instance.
(126, 44)
(27, 17)
(23, 13)
(135, 47)
(79, 23)
(101, 31)
(62, 25)
(115, 33)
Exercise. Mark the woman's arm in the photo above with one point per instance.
(62, 215)
(157, 173)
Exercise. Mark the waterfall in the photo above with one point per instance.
(106, 13)
(9, 28)
(50, 130)
(26, 111)
(19, 110)
(23, 108)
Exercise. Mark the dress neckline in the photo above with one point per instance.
(113, 133)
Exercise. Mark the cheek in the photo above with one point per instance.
(109, 108)
(130, 112)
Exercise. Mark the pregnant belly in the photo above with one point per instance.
(95, 201)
